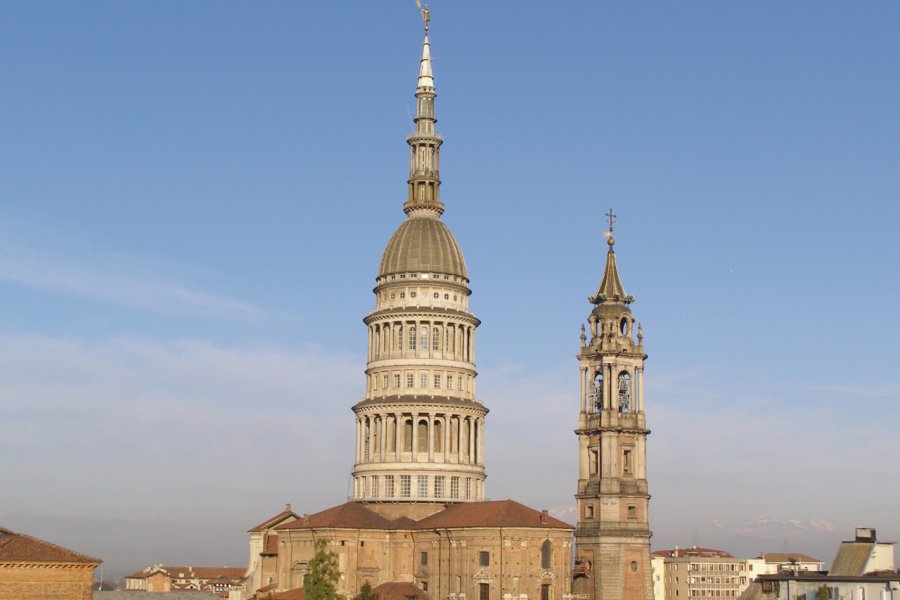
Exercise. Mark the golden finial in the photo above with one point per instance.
(426, 14)
(611, 220)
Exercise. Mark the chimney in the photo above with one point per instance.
(865, 534)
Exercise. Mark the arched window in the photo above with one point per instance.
(597, 392)
(436, 339)
(412, 338)
(546, 554)
(423, 340)
(624, 392)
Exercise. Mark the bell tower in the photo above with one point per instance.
(612, 536)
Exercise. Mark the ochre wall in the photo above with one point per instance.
(46, 582)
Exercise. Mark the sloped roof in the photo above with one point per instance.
(786, 557)
(350, 515)
(287, 513)
(851, 559)
(495, 513)
(492, 513)
(400, 590)
(294, 594)
(19, 547)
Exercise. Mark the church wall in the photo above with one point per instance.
(452, 568)
(46, 582)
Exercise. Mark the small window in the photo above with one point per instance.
(405, 486)
(449, 382)
(484, 558)
(412, 338)
(423, 380)
(409, 380)
(396, 380)
(632, 511)
(484, 591)
(454, 487)
(423, 559)
(589, 511)
(437, 382)
(545, 591)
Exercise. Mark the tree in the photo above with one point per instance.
(822, 592)
(366, 593)
(323, 574)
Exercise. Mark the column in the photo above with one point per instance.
(358, 440)
(398, 436)
(584, 402)
(471, 440)
(383, 436)
(430, 437)
(415, 433)
(481, 441)
(446, 453)
(640, 378)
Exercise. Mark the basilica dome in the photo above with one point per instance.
(422, 244)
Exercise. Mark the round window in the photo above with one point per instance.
(634, 565)
(412, 294)
(436, 294)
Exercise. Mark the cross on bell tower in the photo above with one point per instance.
(612, 536)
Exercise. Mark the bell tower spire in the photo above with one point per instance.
(612, 538)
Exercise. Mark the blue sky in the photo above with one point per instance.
(194, 198)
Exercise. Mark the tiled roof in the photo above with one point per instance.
(400, 590)
(851, 559)
(294, 594)
(496, 513)
(692, 551)
(786, 557)
(24, 548)
(351, 515)
(287, 513)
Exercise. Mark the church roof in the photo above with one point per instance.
(491, 513)
(351, 515)
(24, 548)
(422, 244)
(287, 513)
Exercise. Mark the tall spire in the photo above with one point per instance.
(611, 289)
(424, 196)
